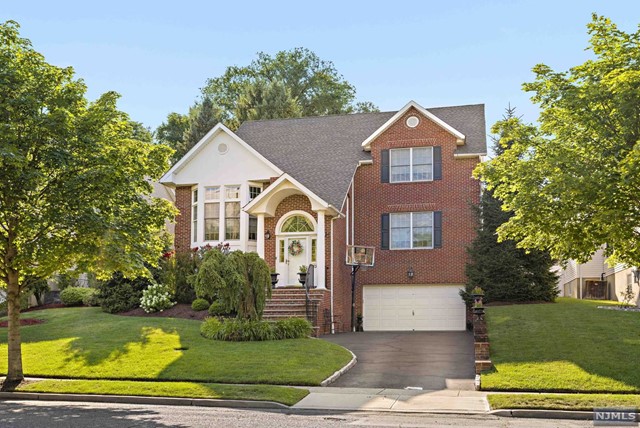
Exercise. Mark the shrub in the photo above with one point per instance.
(64, 280)
(120, 294)
(91, 298)
(174, 270)
(239, 330)
(217, 309)
(200, 305)
(156, 298)
(73, 296)
(37, 286)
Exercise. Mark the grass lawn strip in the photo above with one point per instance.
(568, 346)
(280, 394)
(86, 343)
(584, 402)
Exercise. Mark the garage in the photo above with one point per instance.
(413, 307)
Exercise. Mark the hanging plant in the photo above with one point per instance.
(295, 247)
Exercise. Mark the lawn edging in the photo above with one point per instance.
(136, 399)
(543, 414)
(328, 381)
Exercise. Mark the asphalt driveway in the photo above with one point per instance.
(428, 360)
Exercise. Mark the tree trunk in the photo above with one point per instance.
(14, 372)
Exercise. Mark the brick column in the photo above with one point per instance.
(182, 239)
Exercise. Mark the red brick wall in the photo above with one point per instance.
(453, 195)
(182, 239)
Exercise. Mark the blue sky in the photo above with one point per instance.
(158, 54)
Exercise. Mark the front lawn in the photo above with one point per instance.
(86, 343)
(565, 346)
(585, 402)
(280, 394)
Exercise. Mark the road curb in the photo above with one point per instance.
(328, 381)
(136, 399)
(543, 414)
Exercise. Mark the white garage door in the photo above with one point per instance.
(413, 307)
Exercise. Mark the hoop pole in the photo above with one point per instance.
(354, 269)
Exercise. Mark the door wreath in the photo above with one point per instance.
(295, 247)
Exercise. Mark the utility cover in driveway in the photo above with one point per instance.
(413, 307)
(428, 360)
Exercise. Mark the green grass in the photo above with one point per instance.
(561, 401)
(569, 346)
(280, 394)
(85, 343)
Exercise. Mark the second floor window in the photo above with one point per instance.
(412, 164)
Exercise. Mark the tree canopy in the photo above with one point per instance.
(573, 181)
(75, 180)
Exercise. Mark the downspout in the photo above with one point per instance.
(333, 327)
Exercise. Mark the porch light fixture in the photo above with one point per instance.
(410, 273)
(267, 235)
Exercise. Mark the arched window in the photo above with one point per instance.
(297, 223)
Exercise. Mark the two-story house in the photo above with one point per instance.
(298, 191)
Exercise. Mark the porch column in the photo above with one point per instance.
(320, 256)
(260, 240)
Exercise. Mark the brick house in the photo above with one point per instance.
(298, 191)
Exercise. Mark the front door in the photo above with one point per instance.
(293, 253)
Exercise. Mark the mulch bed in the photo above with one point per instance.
(24, 321)
(181, 310)
(49, 306)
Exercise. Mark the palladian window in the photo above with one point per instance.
(297, 223)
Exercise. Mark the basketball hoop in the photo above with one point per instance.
(358, 256)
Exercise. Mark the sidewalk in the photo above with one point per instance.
(395, 400)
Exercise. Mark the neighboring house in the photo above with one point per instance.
(298, 191)
(595, 279)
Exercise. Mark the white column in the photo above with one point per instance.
(320, 259)
(260, 240)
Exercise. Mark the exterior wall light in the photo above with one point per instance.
(267, 235)
(410, 273)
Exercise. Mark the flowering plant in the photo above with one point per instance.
(156, 298)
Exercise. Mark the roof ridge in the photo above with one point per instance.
(318, 117)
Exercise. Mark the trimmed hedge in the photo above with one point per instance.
(200, 305)
(74, 296)
(239, 330)
(120, 294)
(217, 309)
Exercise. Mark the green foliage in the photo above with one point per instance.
(74, 296)
(218, 309)
(572, 182)
(241, 281)
(200, 305)
(171, 133)
(174, 270)
(64, 280)
(156, 298)
(120, 294)
(202, 117)
(502, 270)
(297, 75)
(37, 287)
(240, 330)
(91, 298)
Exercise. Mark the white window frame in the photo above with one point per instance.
(411, 247)
(411, 180)
(220, 212)
(223, 206)
(194, 214)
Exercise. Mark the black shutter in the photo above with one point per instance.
(437, 229)
(384, 166)
(437, 163)
(385, 232)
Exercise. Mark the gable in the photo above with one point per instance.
(220, 157)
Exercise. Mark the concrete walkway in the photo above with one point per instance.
(395, 400)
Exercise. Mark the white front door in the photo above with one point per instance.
(289, 264)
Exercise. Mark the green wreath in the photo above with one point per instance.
(295, 247)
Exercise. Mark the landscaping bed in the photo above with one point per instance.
(181, 310)
(86, 343)
(569, 346)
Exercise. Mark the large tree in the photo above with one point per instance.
(313, 83)
(171, 133)
(75, 189)
(503, 271)
(266, 100)
(202, 117)
(573, 182)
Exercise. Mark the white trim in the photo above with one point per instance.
(468, 155)
(290, 214)
(460, 137)
(267, 193)
(411, 247)
(411, 163)
(168, 177)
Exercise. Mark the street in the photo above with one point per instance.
(32, 414)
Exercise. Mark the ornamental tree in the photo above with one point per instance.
(573, 181)
(75, 181)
